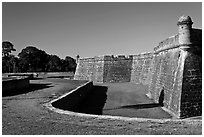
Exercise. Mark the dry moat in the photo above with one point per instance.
(116, 99)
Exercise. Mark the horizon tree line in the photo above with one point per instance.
(32, 59)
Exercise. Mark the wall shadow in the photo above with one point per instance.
(138, 106)
(68, 77)
(37, 78)
(94, 102)
(32, 87)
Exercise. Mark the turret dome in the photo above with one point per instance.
(185, 20)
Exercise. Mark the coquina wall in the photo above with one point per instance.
(141, 68)
(117, 69)
(191, 97)
(105, 69)
(90, 69)
(167, 74)
(175, 66)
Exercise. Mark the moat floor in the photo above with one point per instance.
(130, 100)
(25, 114)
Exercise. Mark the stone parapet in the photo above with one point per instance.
(117, 57)
(169, 43)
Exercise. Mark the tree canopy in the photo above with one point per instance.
(8, 60)
(32, 59)
(54, 63)
(7, 48)
(69, 64)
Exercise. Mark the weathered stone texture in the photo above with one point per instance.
(167, 74)
(99, 69)
(117, 69)
(191, 97)
(175, 65)
(85, 69)
(141, 68)
(169, 43)
(90, 69)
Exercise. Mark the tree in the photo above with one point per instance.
(69, 64)
(10, 64)
(33, 59)
(8, 60)
(54, 63)
(14, 63)
(7, 48)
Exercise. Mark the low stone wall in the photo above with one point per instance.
(55, 74)
(29, 75)
(72, 100)
(16, 83)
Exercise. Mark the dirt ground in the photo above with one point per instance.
(25, 114)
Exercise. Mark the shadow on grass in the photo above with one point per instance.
(32, 87)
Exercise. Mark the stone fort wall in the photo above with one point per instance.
(105, 69)
(175, 65)
(91, 69)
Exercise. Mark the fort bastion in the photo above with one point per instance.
(175, 65)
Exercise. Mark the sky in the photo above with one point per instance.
(93, 29)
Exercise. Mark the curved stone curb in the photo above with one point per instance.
(50, 107)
